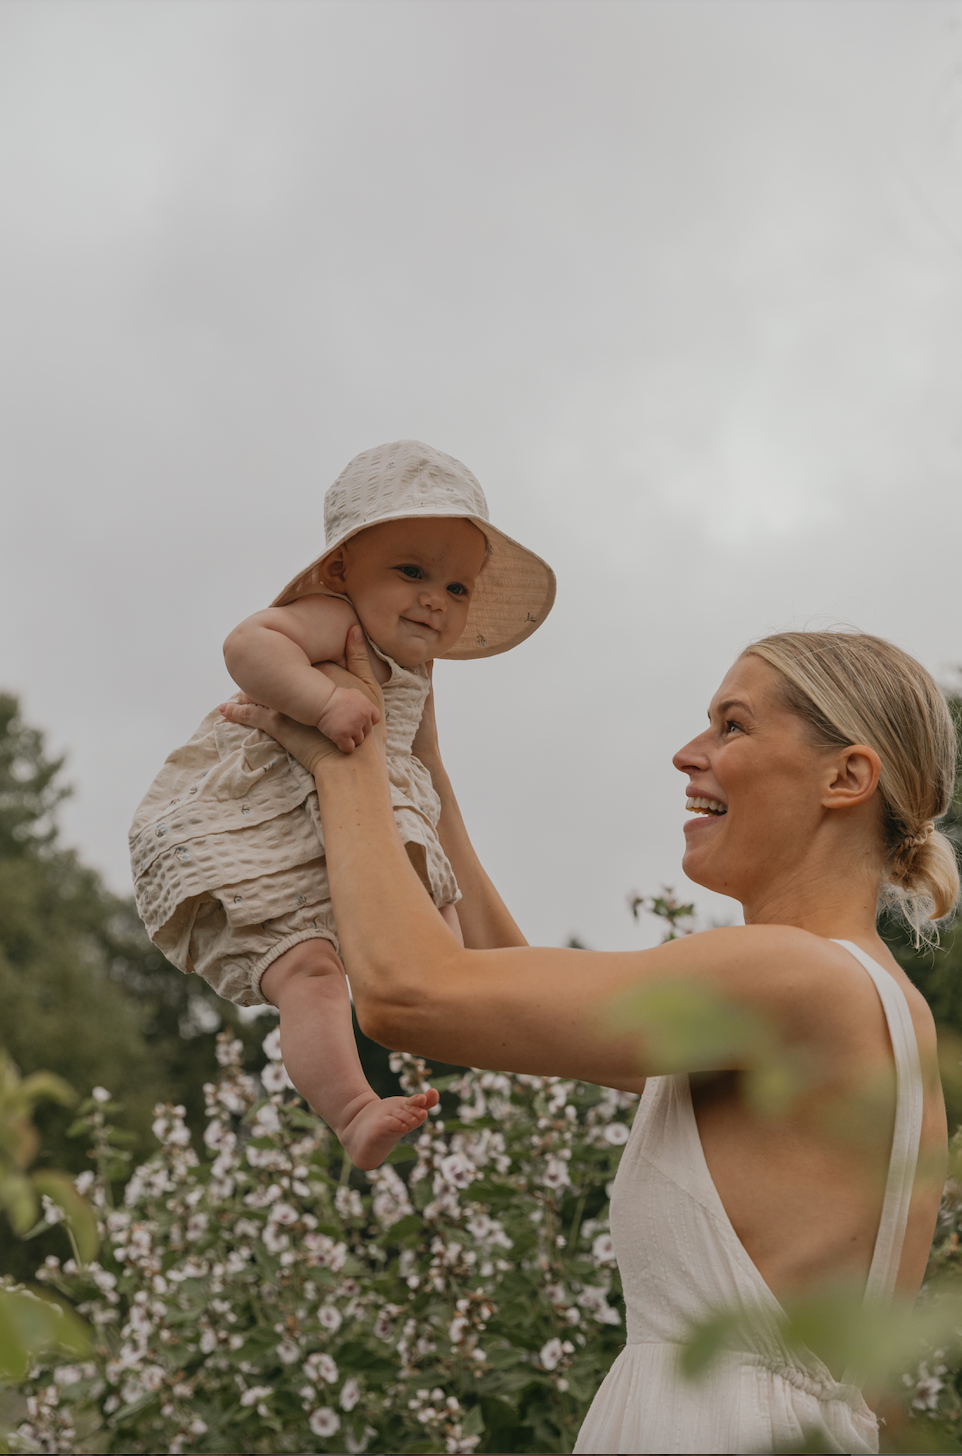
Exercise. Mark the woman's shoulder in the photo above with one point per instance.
(791, 972)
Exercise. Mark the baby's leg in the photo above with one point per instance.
(308, 986)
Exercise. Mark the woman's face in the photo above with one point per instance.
(756, 782)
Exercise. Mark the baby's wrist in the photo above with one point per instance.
(327, 707)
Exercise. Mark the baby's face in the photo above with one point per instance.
(411, 583)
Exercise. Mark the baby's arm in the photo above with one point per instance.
(270, 658)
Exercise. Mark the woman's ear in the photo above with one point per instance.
(853, 777)
(333, 571)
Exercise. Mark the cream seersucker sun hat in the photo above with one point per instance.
(515, 590)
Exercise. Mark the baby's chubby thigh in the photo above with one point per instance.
(307, 961)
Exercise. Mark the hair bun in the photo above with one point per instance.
(915, 841)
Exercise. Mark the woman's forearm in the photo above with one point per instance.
(393, 942)
(486, 922)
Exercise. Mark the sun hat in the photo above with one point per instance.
(515, 590)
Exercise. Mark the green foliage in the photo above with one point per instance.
(679, 917)
(259, 1295)
(33, 1324)
(21, 1190)
(83, 991)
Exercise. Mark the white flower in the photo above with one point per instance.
(274, 1077)
(283, 1213)
(329, 1318)
(100, 1094)
(319, 1367)
(51, 1211)
(457, 1171)
(456, 1329)
(348, 1203)
(603, 1249)
(271, 1045)
(927, 1393)
(267, 1117)
(83, 1180)
(616, 1133)
(391, 1200)
(350, 1394)
(256, 1393)
(198, 1428)
(229, 1053)
(196, 1227)
(555, 1173)
(274, 1242)
(324, 1422)
(551, 1354)
(287, 1352)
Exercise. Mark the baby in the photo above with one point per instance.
(227, 847)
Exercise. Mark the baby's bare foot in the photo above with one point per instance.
(373, 1131)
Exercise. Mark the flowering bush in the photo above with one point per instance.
(259, 1294)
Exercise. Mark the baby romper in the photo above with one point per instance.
(227, 849)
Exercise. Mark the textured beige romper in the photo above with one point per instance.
(680, 1258)
(228, 853)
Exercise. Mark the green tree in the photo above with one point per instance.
(83, 991)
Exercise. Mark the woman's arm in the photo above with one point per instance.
(486, 922)
(532, 1009)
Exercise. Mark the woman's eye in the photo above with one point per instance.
(730, 724)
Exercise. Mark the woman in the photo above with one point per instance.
(815, 787)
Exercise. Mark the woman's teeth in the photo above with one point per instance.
(705, 806)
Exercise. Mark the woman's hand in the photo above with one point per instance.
(306, 744)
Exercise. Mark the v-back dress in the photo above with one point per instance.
(680, 1259)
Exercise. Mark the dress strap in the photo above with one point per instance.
(906, 1136)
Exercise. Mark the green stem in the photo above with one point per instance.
(575, 1228)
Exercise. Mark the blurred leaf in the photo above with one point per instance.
(864, 1345)
(60, 1189)
(686, 1026)
(18, 1200)
(402, 1153)
(32, 1323)
(706, 1341)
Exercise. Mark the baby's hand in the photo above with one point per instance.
(348, 718)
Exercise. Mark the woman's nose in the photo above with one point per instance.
(692, 757)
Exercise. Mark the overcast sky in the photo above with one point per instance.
(680, 282)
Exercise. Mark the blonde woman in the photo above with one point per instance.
(814, 789)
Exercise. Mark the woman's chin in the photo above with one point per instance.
(700, 866)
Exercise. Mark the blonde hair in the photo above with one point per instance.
(853, 688)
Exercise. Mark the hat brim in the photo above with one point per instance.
(513, 594)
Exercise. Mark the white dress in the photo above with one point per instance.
(680, 1258)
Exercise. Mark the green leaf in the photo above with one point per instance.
(31, 1322)
(473, 1422)
(60, 1189)
(19, 1200)
(401, 1153)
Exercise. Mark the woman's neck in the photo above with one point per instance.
(829, 905)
